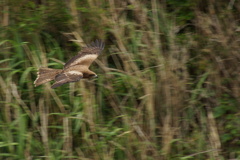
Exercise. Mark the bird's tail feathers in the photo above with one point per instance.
(46, 75)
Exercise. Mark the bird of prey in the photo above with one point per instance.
(75, 69)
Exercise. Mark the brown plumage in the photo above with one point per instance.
(75, 69)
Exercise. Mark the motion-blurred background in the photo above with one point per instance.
(168, 83)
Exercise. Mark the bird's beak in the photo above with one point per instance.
(92, 76)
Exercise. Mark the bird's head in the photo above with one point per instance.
(91, 76)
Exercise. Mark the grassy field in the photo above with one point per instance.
(168, 83)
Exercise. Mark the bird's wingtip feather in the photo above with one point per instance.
(97, 43)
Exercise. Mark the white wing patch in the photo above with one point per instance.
(75, 72)
(87, 58)
(61, 80)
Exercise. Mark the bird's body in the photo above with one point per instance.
(74, 70)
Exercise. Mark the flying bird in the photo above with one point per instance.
(74, 70)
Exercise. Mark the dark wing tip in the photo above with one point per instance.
(56, 85)
(98, 43)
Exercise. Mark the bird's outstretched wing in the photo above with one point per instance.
(67, 77)
(87, 55)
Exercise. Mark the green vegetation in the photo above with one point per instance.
(168, 83)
